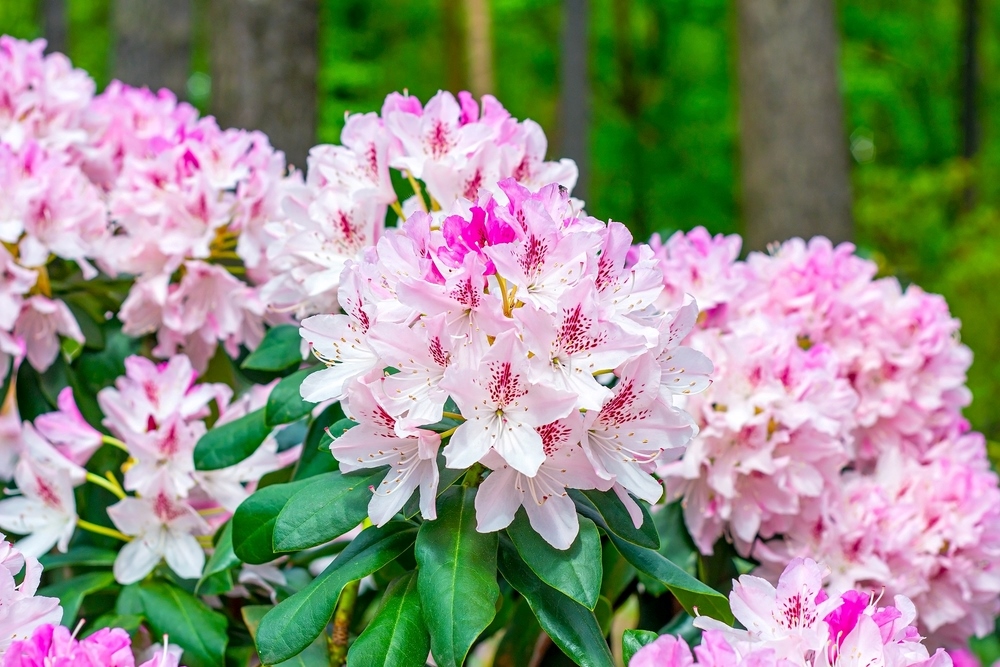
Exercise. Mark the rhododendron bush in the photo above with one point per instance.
(414, 405)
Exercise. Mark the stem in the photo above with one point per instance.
(114, 442)
(106, 484)
(337, 644)
(416, 190)
(398, 209)
(102, 530)
(453, 415)
(445, 434)
(472, 476)
(503, 293)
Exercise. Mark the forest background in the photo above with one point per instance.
(658, 131)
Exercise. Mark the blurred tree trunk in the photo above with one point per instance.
(263, 64)
(54, 24)
(453, 34)
(574, 102)
(970, 91)
(480, 46)
(153, 43)
(795, 178)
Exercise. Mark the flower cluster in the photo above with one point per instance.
(834, 427)
(21, 611)
(157, 413)
(54, 646)
(453, 146)
(514, 331)
(798, 625)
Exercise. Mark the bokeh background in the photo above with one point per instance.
(653, 113)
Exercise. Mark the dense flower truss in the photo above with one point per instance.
(54, 646)
(834, 429)
(508, 334)
(157, 413)
(188, 202)
(455, 146)
(798, 625)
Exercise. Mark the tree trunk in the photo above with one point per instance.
(970, 78)
(794, 149)
(574, 103)
(54, 25)
(480, 46)
(453, 41)
(263, 62)
(153, 43)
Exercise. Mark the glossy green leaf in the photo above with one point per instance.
(575, 572)
(71, 592)
(314, 655)
(695, 596)
(456, 576)
(127, 622)
(397, 635)
(232, 442)
(290, 627)
(223, 557)
(572, 627)
(316, 457)
(618, 572)
(675, 544)
(189, 622)
(285, 404)
(633, 640)
(253, 522)
(81, 555)
(606, 510)
(331, 505)
(280, 349)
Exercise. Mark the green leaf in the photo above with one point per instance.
(675, 544)
(316, 457)
(72, 591)
(695, 596)
(127, 622)
(618, 572)
(397, 636)
(456, 576)
(633, 640)
(129, 602)
(331, 505)
(606, 510)
(82, 555)
(253, 522)
(279, 350)
(572, 627)
(231, 442)
(285, 403)
(31, 400)
(222, 558)
(575, 572)
(519, 642)
(289, 628)
(315, 655)
(93, 336)
(189, 622)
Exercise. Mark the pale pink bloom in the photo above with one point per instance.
(162, 655)
(22, 611)
(150, 393)
(263, 577)
(41, 322)
(45, 512)
(10, 437)
(634, 428)
(15, 281)
(167, 454)
(683, 370)
(375, 442)
(503, 407)
(576, 343)
(550, 510)
(340, 342)
(161, 527)
(44, 97)
(68, 431)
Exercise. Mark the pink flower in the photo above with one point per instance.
(162, 527)
(22, 611)
(68, 431)
(52, 645)
(41, 323)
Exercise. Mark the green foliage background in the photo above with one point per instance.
(664, 137)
